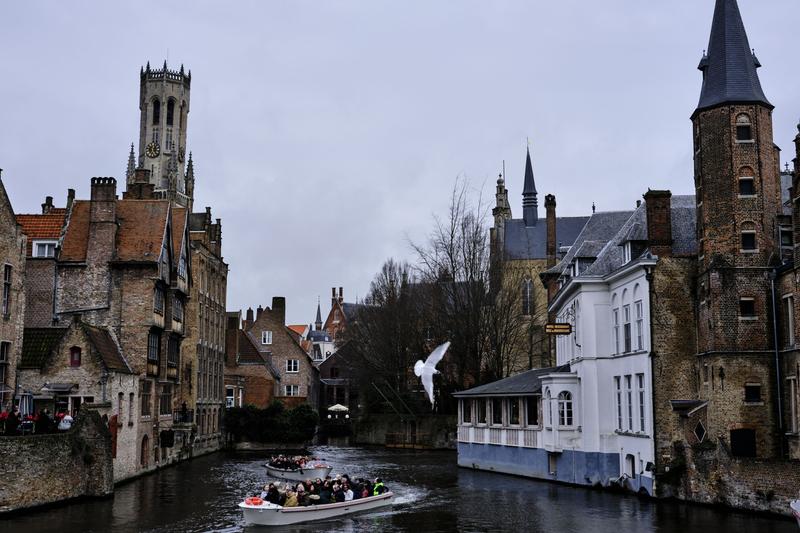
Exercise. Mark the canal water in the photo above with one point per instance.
(433, 495)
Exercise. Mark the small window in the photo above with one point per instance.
(74, 356)
(292, 390)
(700, 432)
(532, 411)
(145, 391)
(513, 411)
(744, 130)
(749, 240)
(565, 409)
(158, 300)
(153, 346)
(44, 248)
(334, 372)
(266, 337)
(229, 398)
(293, 365)
(497, 411)
(466, 411)
(747, 308)
(787, 239)
(165, 400)
(752, 393)
(552, 463)
(481, 411)
(747, 187)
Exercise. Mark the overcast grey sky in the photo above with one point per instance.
(327, 133)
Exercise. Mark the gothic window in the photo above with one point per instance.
(527, 297)
(565, 409)
(748, 237)
(74, 356)
(744, 130)
(170, 111)
(177, 311)
(173, 351)
(156, 112)
(639, 324)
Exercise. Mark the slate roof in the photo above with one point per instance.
(108, 349)
(530, 242)
(37, 344)
(248, 353)
(47, 226)
(786, 185)
(729, 67)
(523, 384)
(319, 336)
(351, 310)
(139, 236)
(599, 229)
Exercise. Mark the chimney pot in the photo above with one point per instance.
(659, 222)
(279, 309)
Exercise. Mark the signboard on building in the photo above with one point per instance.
(558, 329)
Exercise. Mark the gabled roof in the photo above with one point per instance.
(298, 328)
(107, 349)
(45, 227)
(530, 242)
(524, 384)
(38, 344)
(178, 228)
(729, 67)
(248, 353)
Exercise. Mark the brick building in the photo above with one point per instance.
(12, 298)
(340, 314)
(250, 376)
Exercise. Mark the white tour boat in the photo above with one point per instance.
(311, 471)
(795, 506)
(262, 513)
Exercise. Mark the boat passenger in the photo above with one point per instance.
(379, 487)
(273, 496)
(291, 499)
(338, 493)
(348, 493)
(302, 496)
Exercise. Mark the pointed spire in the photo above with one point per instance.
(729, 66)
(190, 168)
(131, 165)
(318, 321)
(530, 204)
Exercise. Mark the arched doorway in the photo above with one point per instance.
(143, 454)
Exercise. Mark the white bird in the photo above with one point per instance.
(427, 369)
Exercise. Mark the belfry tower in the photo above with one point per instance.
(164, 107)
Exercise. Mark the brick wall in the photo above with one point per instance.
(62, 466)
(40, 276)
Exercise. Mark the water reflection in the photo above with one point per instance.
(433, 495)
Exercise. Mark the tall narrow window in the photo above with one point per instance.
(173, 351)
(497, 411)
(481, 411)
(615, 316)
(532, 411)
(748, 237)
(788, 306)
(629, 401)
(145, 391)
(153, 346)
(626, 318)
(156, 112)
(527, 297)
(158, 300)
(6, 290)
(792, 404)
(266, 337)
(640, 390)
(165, 400)
(5, 353)
(74, 356)
(618, 400)
(170, 111)
(565, 409)
(466, 411)
(513, 411)
(130, 409)
(177, 309)
(744, 130)
(639, 308)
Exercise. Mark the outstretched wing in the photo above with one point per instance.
(437, 355)
(427, 382)
(418, 366)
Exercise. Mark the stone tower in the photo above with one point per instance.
(164, 107)
(737, 180)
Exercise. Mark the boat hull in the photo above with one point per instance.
(268, 514)
(301, 474)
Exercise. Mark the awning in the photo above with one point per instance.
(60, 387)
(338, 408)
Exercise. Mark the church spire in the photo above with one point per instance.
(530, 204)
(729, 67)
(318, 322)
(131, 165)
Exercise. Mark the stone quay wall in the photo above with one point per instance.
(43, 469)
(432, 431)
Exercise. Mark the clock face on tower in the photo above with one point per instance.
(152, 150)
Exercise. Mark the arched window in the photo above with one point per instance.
(143, 454)
(744, 130)
(747, 182)
(564, 408)
(156, 112)
(527, 297)
(74, 356)
(170, 111)
(748, 234)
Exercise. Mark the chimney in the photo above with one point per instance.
(140, 188)
(70, 198)
(279, 309)
(259, 311)
(101, 246)
(659, 222)
(334, 300)
(248, 321)
(341, 295)
(47, 205)
(550, 207)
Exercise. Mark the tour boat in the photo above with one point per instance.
(262, 513)
(310, 471)
(795, 506)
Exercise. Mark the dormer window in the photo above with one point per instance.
(44, 248)
(626, 252)
(744, 130)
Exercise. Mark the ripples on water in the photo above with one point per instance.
(432, 495)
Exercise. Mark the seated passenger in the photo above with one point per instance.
(291, 499)
(348, 493)
(379, 488)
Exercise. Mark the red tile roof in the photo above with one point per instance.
(298, 328)
(42, 226)
(178, 227)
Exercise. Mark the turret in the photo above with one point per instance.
(530, 203)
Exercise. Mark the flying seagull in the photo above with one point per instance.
(427, 369)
